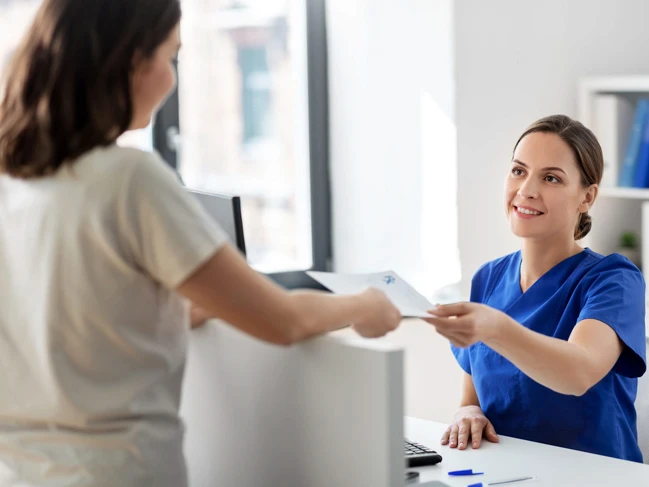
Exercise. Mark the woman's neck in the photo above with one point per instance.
(539, 256)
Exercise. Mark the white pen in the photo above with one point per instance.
(510, 481)
(502, 482)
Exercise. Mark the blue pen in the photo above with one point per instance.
(461, 473)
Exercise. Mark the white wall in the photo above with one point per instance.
(393, 165)
(393, 138)
(507, 63)
(517, 61)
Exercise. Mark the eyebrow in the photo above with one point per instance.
(553, 168)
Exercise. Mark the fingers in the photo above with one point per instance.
(459, 331)
(474, 426)
(452, 442)
(490, 433)
(463, 435)
(453, 340)
(452, 323)
(454, 309)
(446, 436)
(445, 323)
(396, 316)
(198, 317)
(477, 426)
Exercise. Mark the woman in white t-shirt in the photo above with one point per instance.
(101, 249)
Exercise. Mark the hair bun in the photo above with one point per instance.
(585, 224)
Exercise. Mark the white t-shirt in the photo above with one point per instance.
(92, 335)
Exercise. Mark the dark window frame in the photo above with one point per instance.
(167, 124)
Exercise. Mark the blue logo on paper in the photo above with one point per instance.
(389, 280)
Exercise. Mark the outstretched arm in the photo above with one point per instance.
(226, 287)
(567, 367)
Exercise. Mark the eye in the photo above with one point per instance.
(552, 179)
(517, 171)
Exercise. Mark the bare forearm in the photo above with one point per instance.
(316, 313)
(469, 394)
(554, 363)
(226, 287)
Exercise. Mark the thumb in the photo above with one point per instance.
(198, 316)
(490, 433)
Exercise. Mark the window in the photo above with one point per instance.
(246, 125)
(249, 118)
(16, 16)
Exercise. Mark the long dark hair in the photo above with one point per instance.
(68, 85)
(586, 150)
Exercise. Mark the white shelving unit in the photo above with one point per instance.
(616, 85)
(617, 209)
(631, 193)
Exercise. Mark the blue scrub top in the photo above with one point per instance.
(585, 286)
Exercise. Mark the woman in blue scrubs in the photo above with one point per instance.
(553, 340)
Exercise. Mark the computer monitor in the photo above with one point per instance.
(226, 210)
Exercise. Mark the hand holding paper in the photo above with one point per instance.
(405, 297)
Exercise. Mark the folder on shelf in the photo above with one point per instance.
(641, 179)
(629, 166)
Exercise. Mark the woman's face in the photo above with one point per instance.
(153, 80)
(544, 196)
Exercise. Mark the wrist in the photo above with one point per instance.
(468, 411)
(360, 302)
(465, 407)
(502, 332)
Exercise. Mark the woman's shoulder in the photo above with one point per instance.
(614, 263)
(497, 265)
(120, 165)
(608, 272)
(114, 157)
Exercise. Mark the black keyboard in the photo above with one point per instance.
(420, 456)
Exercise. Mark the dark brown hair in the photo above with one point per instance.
(68, 85)
(586, 150)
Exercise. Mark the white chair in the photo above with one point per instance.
(642, 409)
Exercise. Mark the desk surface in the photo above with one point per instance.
(552, 466)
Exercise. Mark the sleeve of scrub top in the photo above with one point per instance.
(169, 233)
(478, 287)
(616, 296)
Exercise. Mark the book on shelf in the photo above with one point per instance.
(612, 122)
(641, 179)
(630, 162)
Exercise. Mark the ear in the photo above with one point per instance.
(589, 198)
(138, 64)
(137, 60)
(138, 69)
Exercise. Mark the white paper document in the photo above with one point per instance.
(405, 297)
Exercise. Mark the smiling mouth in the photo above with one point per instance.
(525, 211)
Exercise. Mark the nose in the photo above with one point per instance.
(528, 189)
